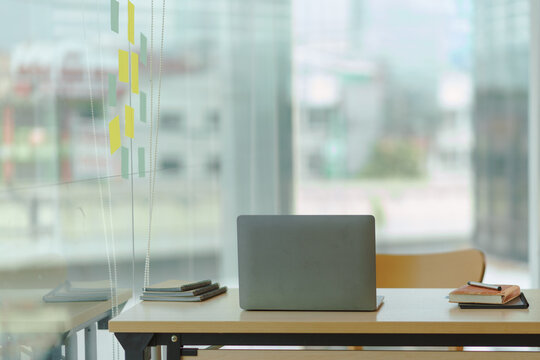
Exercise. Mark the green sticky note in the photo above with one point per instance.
(114, 15)
(112, 90)
(142, 169)
(125, 162)
(142, 106)
(143, 49)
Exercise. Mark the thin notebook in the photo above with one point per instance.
(180, 287)
(195, 292)
(202, 297)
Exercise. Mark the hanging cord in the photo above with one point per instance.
(131, 178)
(112, 272)
(147, 258)
(275, 121)
(105, 111)
(155, 150)
(151, 72)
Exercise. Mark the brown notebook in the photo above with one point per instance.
(479, 295)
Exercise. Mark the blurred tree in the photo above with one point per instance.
(394, 159)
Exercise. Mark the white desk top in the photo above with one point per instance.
(404, 311)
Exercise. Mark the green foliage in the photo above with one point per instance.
(394, 159)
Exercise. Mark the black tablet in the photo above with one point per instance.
(518, 303)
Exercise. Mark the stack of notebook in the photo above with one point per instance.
(198, 291)
(477, 295)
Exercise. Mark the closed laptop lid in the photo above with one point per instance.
(307, 262)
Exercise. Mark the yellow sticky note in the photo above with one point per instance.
(130, 114)
(114, 134)
(123, 66)
(131, 22)
(135, 72)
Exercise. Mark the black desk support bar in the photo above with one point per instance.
(135, 344)
(364, 339)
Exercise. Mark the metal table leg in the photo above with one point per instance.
(71, 346)
(90, 342)
(55, 353)
(155, 352)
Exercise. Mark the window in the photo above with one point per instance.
(414, 111)
(395, 100)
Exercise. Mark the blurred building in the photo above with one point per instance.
(366, 105)
(449, 158)
(341, 102)
(501, 60)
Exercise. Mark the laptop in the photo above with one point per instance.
(307, 262)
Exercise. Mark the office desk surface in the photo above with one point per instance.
(412, 311)
(24, 311)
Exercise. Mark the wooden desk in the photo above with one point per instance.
(24, 314)
(408, 317)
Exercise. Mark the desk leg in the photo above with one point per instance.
(174, 351)
(55, 353)
(135, 345)
(173, 345)
(90, 342)
(155, 352)
(71, 346)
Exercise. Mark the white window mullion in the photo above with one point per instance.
(534, 137)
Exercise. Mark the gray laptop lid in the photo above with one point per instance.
(306, 262)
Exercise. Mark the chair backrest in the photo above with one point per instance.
(440, 270)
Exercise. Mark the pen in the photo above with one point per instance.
(482, 285)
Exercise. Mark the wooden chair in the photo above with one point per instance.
(439, 270)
